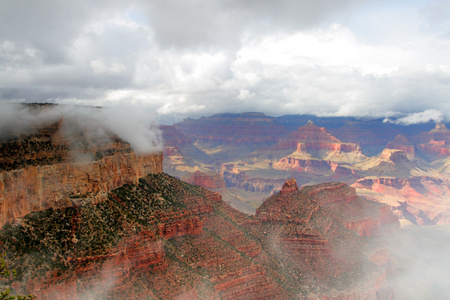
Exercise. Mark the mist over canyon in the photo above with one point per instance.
(217, 149)
(295, 207)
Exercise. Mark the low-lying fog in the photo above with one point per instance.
(422, 262)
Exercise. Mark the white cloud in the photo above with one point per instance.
(420, 117)
(215, 56)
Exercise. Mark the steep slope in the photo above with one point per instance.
(164, 238)
(317, 151)
(228, 136)
(180, 154)
(434, 144)
(391, 162)
(52, 169)
(306, 228)
(422, 200)
(402, 143)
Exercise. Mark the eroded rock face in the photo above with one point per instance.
(434, 143)
(50, 169)
(212, 181)
(422, 200)
(289, 187)
(261, 185)
(34, 188)
(402, 143)
(297, 241)
(312, 166)
(368, 218)
(164, 238)
(318, 152)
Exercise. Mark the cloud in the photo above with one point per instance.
(134, 125)
(202, 57)
(421, 264)
(420, 117)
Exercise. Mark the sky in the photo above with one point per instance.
(191, 58)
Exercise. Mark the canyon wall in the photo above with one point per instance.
(63, 165)
(60, 185)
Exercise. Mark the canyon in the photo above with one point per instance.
(84, 218)
(255, 154)
(164, 238)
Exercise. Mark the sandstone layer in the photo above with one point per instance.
(167, 239)
(53, 169)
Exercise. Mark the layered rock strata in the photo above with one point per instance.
(60, 171)
(166, 239)
(211, 181)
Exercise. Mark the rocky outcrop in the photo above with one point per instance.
(244, 182)
(368, 218)
(438, 148)
(318, 152)
(312, 166)
(420, 199)
(297, 241)
(435, 143)
(389, 163)
(52, 169)
(402, 143)
(302, 161)
(35, 188)
(289, 187)
(212, 181)
(167, 239)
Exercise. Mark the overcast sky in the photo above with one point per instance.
(381, 58)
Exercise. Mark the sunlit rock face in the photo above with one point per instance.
(435, 143)
(52, 169)
(289, 187)
(317, 151)
(328, 149)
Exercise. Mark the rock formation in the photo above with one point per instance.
(391, 162)
(164, 238)
(289, 187)
(49, 169)
(435, 143)
(211, 181)
(422, 200)
(402, 143)
(317, 151)
(312, 154)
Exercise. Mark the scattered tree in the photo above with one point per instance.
(9, 275)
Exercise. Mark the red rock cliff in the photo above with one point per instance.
(67, 184)
(213, 181)
(50, 169)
